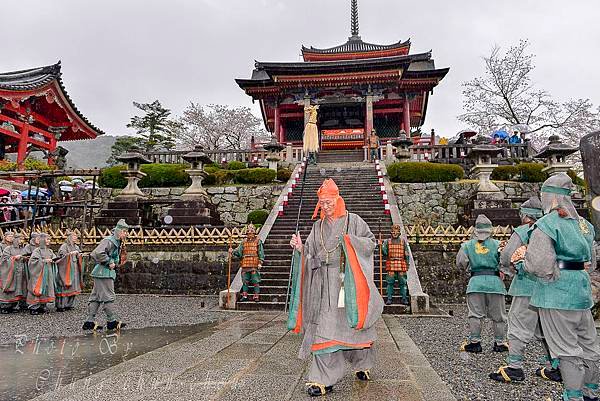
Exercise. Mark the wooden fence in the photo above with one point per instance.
(221, 236)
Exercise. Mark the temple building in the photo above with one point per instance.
(36, 113)
(358, 86)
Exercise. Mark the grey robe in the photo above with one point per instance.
(75, 268)
(41, 273)
(322, 319)
(17, 288)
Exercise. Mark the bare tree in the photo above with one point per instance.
(218, 127)
(505, 96)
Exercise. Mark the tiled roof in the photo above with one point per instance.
(36, 78)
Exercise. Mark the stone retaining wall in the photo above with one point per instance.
(182, 272)
(443, 202)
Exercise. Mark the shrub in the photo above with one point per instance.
(255, 176)
(158, 175)
(34, 164)
(284, 174)
(258, 216)
(29, 163)
(505, 173)
(531, 172)
(577, 180)
(424, 172)
(220, 177)
(235, 165)
(7, 166)
(111, 177)
(164, 175)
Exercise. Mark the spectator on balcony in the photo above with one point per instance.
(515, 138)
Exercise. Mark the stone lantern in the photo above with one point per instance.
(197, 158)
(134, 159)
(483, 155)
(403, 145)
(273, 148)
(556, 154)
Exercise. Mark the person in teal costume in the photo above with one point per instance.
(561, 255)
(486, 291)
(107, 256)
(522, 320)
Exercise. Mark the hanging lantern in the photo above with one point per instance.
(280, 211)
(382, 189)
(381, 180)
(285, 200)
(290, 192)
(387, 209)
(385, 198)
(294, 183)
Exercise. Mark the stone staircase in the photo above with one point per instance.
(360, 189)
(340, 156)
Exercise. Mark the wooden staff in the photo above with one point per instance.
(229, 272)
(380, 257)
(380, 262)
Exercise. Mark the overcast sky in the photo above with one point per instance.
(115, 52)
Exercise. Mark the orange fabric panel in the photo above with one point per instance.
(332, 343)
(68, 273)
(362, 288)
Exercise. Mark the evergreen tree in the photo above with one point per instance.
(154, 127)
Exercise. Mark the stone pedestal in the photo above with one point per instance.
(197, 211)
(135, 211)
(224, 302)
(555, 168)
(132, 191)
(273, 163)
(389, 152)
(486, 189)
(195, 191)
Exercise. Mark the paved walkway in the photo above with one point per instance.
(253, 357)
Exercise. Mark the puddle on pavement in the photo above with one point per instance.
(32, 366)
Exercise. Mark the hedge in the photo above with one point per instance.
(258, 216)
(174, 175)
(235, 165)
(158, 175)
(29, 163)
(255, 176)
(284, 174)
(424, 172)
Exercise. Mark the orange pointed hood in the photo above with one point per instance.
(329, 189)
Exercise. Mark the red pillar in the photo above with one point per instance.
(406, 116)
(277, 124)
(22, 148)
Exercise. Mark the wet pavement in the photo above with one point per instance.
(33, 366)
(251, 356)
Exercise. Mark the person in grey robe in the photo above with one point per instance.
(6, 242)
(107, 256)
(41, 270)
(522, 320)
(34, 242)
(334, 299)
(561, 255)
(69, 276)
(13, 285)
(485, 291)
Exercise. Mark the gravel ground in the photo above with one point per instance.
(467, 374)
(138, 311)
